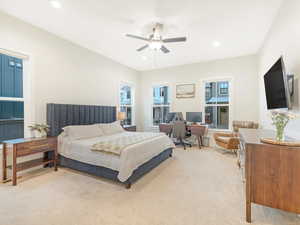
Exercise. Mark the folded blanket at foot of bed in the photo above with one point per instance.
(116, 145)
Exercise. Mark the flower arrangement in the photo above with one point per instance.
(40, 130)
(280, 119)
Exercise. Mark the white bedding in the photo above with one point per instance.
(131, 158)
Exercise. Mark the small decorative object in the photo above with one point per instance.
(185, 91)
(40, 130)
(280, 119)
(121, 116)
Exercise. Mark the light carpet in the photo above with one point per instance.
(194, 187)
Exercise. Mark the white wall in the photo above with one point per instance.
(283, 39)
(242, 70)
(61, 72)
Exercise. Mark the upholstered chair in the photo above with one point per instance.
(244, 124)
(230, 141)
(166, 128)
(199, 131)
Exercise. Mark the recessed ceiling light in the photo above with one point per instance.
(144, 57)
(216, 44)
(55, 4)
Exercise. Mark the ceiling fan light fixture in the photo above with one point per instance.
(155, 45)
(155, 41)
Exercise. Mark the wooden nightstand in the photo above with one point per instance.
(130, 128)
(25, 147)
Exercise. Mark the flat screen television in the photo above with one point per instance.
(276, 87)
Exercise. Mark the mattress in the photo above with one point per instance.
(80, 150)
(131, 158)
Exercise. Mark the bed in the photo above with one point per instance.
(136, 158)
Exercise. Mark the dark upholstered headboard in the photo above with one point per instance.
(61, 115)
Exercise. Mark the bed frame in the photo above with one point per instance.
(61, 115)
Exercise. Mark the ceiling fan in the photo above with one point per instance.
(156, 41)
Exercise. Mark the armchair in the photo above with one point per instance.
(230, 141)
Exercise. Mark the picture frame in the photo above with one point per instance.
(185, 91)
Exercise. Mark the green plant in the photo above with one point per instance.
(41, 128)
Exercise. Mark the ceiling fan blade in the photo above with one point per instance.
(164, 49)
(142, 48)
(178, 39)
(137, 37)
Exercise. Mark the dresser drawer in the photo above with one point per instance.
(29, 148)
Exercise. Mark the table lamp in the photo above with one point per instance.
(121, 116)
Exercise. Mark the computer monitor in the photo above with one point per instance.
(170, 117)
(194, 117)
(174, 116)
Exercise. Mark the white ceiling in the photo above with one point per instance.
(100, 25)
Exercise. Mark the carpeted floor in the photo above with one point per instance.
(192, 188)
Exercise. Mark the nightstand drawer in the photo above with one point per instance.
(29, 148)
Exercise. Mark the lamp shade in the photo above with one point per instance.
(121, 116)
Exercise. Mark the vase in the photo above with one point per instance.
(280, 133)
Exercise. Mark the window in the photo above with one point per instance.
(126, 103)
(11, 98)
(217, 104)
(161, 104)
(223, 90)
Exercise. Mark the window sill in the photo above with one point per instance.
(15, 99)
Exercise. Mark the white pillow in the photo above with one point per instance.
(83, 131)
(111, 128)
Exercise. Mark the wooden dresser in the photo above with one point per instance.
(272, 172)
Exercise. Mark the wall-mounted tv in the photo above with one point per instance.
(276, 87)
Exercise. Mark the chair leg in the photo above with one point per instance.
(199, 141)
(128, 185)
(182, 142)
(201, 138)
(238, 164)
(234, 151)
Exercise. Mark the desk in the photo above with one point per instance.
(194, 129)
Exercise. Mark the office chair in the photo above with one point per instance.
(179, 132)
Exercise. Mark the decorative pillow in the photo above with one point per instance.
(111, 128)
(83, 131)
